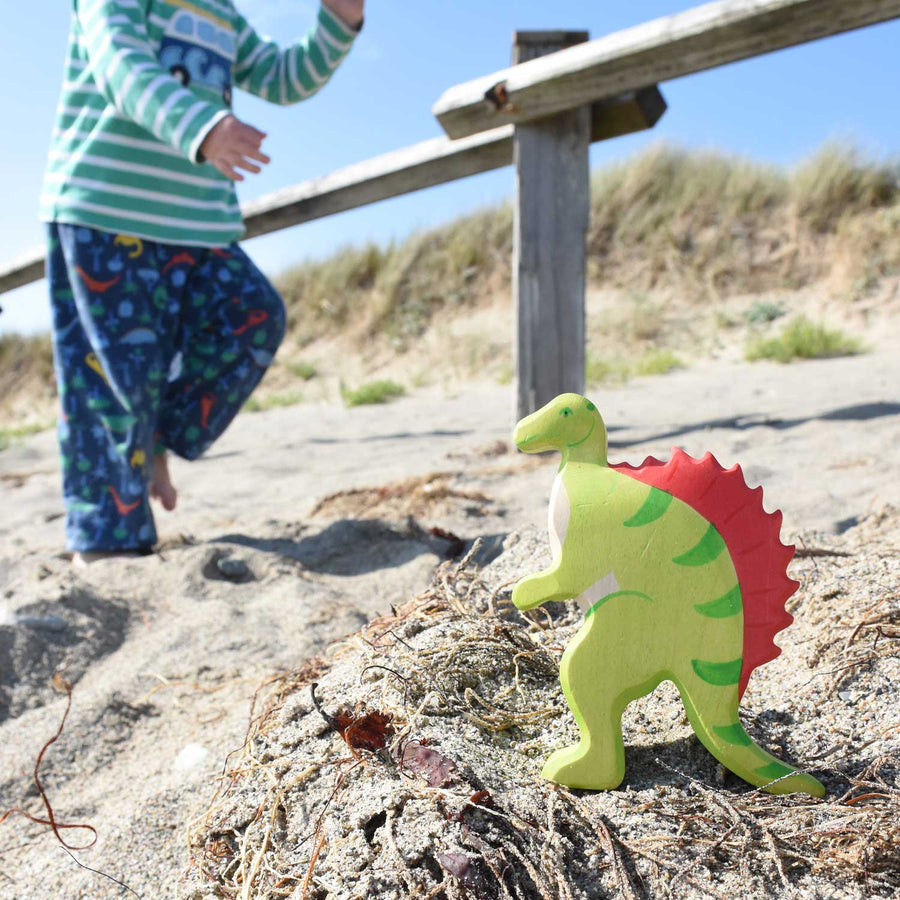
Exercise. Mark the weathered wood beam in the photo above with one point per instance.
(422, 165)
(428, 164)
(22, 270)
(701, 38)
(549, 253)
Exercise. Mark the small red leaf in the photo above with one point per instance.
(361, 731)
(369, 732)
(433, 766)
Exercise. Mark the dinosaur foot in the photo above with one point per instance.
(576, 768)
(796, 783)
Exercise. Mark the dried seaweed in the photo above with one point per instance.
(61, 686)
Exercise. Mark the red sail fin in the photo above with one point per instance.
(752, 535)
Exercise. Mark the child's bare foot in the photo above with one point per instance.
(161, 487)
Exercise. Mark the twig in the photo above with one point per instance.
(317, 848)
(102, 874)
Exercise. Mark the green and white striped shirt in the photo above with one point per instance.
(145, 82)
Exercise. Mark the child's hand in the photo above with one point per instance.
(231, 144)
(349, 11)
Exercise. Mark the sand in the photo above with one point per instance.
(269, 560)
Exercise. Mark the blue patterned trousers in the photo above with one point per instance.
(156, 347)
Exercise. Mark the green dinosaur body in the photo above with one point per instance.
(662, 601)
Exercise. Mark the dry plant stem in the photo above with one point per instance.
(102, 874)
(63, 686)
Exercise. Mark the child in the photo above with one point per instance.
(162, 326)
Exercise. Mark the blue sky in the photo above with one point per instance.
(780, 108)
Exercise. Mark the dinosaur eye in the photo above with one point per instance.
(565, 412)
(591, 406)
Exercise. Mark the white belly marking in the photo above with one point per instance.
(558, 519)
(597, 591)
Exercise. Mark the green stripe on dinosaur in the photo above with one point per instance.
(719, 674)
(773, 770)
(733, 734)
(705, 551)
(615, 594)
(727, 605)
(655, 505)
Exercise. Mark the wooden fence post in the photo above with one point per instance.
(549, 233)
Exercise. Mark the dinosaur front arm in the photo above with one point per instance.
(551, 584)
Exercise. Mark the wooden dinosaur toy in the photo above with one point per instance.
(682, 574)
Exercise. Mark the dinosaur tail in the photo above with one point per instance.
(724, 736)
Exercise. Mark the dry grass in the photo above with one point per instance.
(705, 225)
(422, 496)
(27, 382)
(395, 291)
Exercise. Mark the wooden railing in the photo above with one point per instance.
(422, 165)
(562, 92)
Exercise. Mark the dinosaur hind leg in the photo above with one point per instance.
(713, 713)
(599, 681)
(597, 761)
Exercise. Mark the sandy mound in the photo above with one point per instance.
(411, 770)
(48, 636)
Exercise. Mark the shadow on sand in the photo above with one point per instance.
(863, 412)
(357, 546)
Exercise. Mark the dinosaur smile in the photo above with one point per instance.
(579, 443)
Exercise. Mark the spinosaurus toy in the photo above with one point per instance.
(682, 575)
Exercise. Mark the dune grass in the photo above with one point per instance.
(372, 392)
(701, 225)
(25, 358)
(804, 339)
(270, 401)
(394, 291)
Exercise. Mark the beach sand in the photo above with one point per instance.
(301, 525)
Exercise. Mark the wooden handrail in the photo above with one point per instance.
(422, 165)
(692, 41)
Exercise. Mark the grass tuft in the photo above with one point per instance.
(764, 311)
(9, 435)
(372, 392)
(303, 370)
(617, 370)
(270, 401)
(602, 370)
(804, 339)
(837, 182)
(657, 362)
